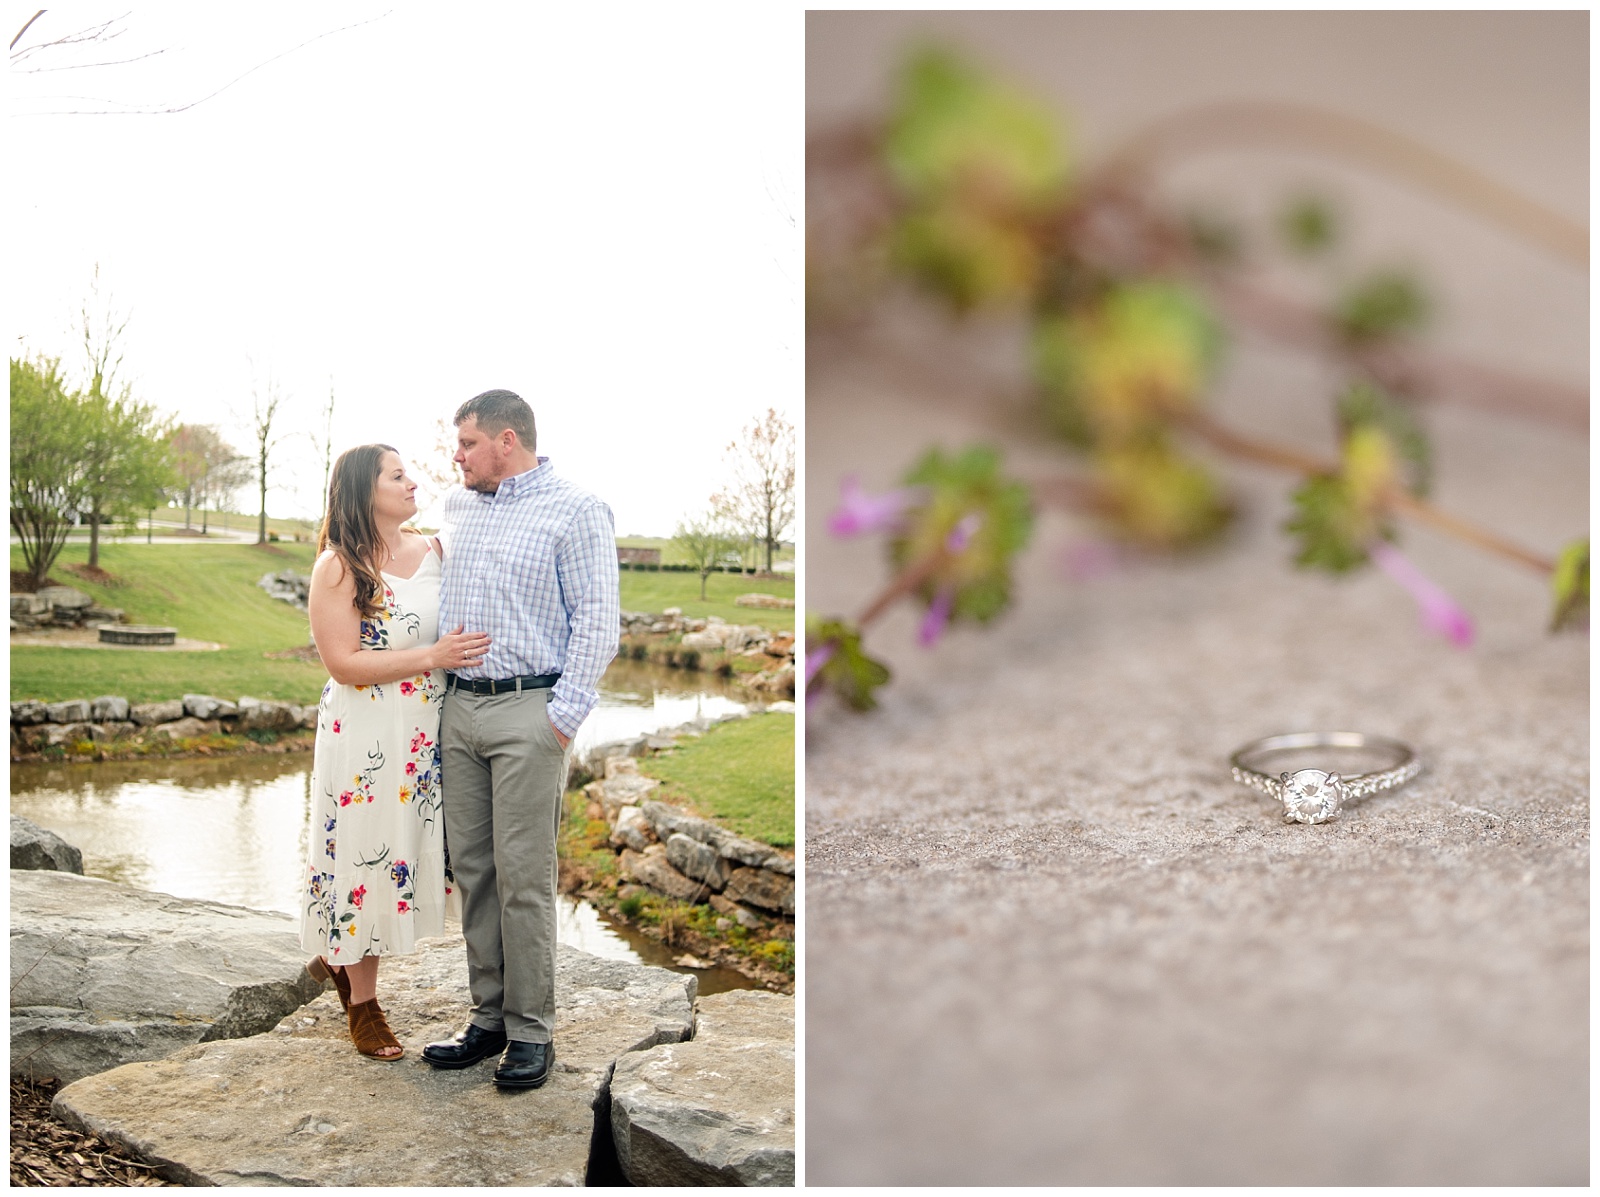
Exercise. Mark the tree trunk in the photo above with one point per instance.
(704, 574)
(769, 534)
(261, 527)
(94, 536)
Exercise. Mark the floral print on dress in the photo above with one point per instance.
(376, 795)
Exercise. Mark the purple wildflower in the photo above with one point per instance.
(937, 617)
(859, 512)
(817, 657)
(1439, 611)
(961, 535)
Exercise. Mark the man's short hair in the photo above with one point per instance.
(495, 411)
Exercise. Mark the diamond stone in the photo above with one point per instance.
(1311, 796)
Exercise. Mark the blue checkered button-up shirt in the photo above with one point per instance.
(535, 565)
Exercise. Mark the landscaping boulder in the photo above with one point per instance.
(57, 735)
(35, 847)
(742, 915)
(718, 1109)
(706, 641)
(108, 708)
(26, 606)
(65, 598)
(74, 710)
(653, 869)
(104, 973)
(699, 861)
(632, 830)
(622, 790)
(187, 728)
(258, 715)
(299, 1106)
(26, 713)
(202, 706)
(148, 714)
(770, 601)
(670, 820)
(763, 888)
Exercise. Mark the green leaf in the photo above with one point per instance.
(955, 128)
(976, 163)
(1365, 405)
(1160, 498)
(959, 486)
(1387, 304)
(1570, 584)
(968, 258)
(1309, 225)
(849, 672)
(1333, 528)
(1111, 369)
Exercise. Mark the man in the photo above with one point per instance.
(530, 559)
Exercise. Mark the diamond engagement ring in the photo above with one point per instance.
(1312, 795)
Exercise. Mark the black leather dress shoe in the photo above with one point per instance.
(465, 1049)
(525, 1065)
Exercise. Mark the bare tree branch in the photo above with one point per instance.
(24, 29)
(147, 111)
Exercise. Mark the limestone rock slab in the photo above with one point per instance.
(763, 888)
(718, 1110)
(35, 847)
(657, 872)
(147, 714)
(103, 973)
(298, 1105)
(700, 861)
(109, 708)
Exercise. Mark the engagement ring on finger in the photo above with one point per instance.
(1314, 795)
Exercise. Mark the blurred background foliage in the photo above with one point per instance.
(970, 192)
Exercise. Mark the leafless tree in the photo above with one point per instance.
(324, 444)
(435, 470)
(267, 400)
(759, 498)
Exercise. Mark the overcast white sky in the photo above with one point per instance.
(595, 207)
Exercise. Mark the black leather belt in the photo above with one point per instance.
(501, 685)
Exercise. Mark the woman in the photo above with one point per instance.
(376, 863)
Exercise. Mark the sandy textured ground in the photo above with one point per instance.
(1047, 939)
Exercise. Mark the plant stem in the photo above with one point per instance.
(1253, 122)
(904, 583)
(1399, 500)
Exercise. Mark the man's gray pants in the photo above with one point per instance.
(504, 773)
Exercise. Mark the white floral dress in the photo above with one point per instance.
(376, 866)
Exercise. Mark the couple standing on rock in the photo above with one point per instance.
(527, 561)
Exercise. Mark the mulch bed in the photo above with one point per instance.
(47, 1152)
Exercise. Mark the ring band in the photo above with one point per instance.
(1315, 796)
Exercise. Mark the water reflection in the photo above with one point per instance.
(233, 829)
(637, 698)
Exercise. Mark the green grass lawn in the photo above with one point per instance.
(209, 592)
(644, 590)
(206, 591)
(739, 773)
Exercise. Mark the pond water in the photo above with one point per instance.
(233, 829)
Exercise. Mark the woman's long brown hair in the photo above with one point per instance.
(349, 529)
